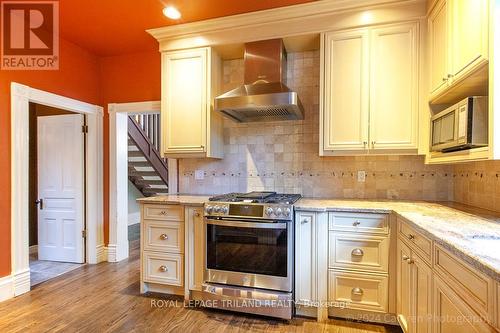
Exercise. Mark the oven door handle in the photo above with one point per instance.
(240, 224)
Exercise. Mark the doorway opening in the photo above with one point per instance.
(57, 206)
(136, 169)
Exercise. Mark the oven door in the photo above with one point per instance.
(249, 253)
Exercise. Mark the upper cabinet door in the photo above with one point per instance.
(185, 102)
(469, 36)
(345, 91)
(394, 87)
(438, 45)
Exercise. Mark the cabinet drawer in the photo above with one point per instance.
(163, 268)
(359, 222)
(162, 236)
(164, 212)
(421, 243)
(474, 287)
(360, 291)
(361, 252)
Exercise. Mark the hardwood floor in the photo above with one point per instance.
(105, 298)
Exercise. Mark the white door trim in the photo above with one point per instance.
(118, 174)
(21, 96)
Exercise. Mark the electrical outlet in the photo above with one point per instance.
(199, 174)
(361, 176)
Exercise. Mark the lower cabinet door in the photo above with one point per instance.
(421, 319)
(404, 289)
(305, 286)
(195, 249)
(359, 291)
(452, 314)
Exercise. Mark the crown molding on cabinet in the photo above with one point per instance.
(309, 18)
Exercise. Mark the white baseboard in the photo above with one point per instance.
(21, 282)
(111, 250)
(134, 218)
(102, 254)
(6, 288)
(115, 254)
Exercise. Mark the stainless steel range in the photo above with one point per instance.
(250, 252)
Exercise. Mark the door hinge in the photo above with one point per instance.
(84, 233)
(85, 128)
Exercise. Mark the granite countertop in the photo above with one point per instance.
(470, 233)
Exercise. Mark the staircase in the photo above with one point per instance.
(147, 170)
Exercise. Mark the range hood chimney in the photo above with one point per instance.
(264, 96)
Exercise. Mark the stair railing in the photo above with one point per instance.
(146, 145)
(151, 126)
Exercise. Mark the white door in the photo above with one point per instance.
(61, 188)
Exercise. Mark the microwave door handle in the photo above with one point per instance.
(239, 224)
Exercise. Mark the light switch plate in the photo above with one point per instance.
(199, 174)
(361, 176)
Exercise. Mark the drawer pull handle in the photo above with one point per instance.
(410, 261)
(304, 221)
(163, 268)
(163, 212)
(357, 291)
(411, 237)
(357, 253)
(356, 223)
(163, 236)
(405, 258)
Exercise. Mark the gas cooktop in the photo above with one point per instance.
(258, 197)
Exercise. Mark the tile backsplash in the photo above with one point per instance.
(478, 184)
(283, 156)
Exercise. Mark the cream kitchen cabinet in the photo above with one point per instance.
(458, 43)
(414, 294)
(190, 126)
(369, 91)
(195, 248)
(311, 262)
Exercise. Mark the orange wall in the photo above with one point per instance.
(77, 77)
(127, 78)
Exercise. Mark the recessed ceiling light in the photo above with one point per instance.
(172, 13)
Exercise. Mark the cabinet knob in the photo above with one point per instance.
(411, 237)
(163, 268)
(450, 76)
(410, 261)
(356, 223)
(373, 143)
(163, 236)
(357, 253)
(405, 257)
(357, 291)
(163, 212)
(197, 214)
(304, 221)
(365, 143)
(445, 79)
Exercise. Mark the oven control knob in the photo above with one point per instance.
(224, 210)
(217, 209)
(278, 212)
(269, 211)
(208, 209)
(286, 211)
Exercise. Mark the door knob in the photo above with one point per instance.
(39, 203)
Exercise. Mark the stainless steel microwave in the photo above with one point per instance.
(461, 126)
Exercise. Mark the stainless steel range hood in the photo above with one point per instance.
(264, 96)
